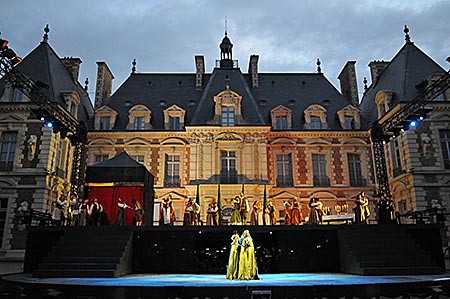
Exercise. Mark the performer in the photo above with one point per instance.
(84, 213)
(287, 212)
(138, 212)
(272, 214)
(244, 209)
(248, 268)
(74, 212)
(315, 214)
(121, 216)
(236, 214)
(188, 218)
(386, 213)
(233, 260)
(362, 212)
(167, 214)
(254, 213)
(296, 214)
(212, 215)
(59, 210)
(95, 212)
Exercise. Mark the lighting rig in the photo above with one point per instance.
(408, 116)
(52, 114)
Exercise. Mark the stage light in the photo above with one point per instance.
(16, 60)
(413, 123)
(9, 53)
(49, 124)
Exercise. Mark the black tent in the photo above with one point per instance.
(124, 177)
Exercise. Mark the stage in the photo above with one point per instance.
(284, 285)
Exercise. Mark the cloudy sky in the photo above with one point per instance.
(164, 36)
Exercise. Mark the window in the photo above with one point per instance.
(59, 157)
(228, 163)
(396, 158)
(174, 123)
(444, 136)
(105, 122)
(139, 158)
(281, 122)
(284, 171)
(227, 116)
(172, 171)
(8, 142)
(320, 170)
(17, 96)
(100, 158)
(139, 123)
(315, 122)
(3, 210)
(350, 123)
(355, 170)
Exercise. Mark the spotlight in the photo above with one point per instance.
(48, 124)
(413, 123)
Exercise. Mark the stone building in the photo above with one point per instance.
(35, 163)
(293, 134)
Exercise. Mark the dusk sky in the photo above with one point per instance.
(164, 36)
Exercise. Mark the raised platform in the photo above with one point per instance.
(270, 286)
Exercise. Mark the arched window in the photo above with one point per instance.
(139, 118)
(315, 117)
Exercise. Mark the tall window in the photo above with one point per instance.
(3, 209)
(355, 170)
(315, 122)
(105, 122)
(284, 171)
(444, 136)
(59, 157)
(172, 172)
(320, 170)
(8, 142)
(228, 167)
(227, 116)
(174, 123)
(281, 122)
(139, 123)
(396, 158)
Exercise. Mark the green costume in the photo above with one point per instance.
(248, 269)
(233, 260)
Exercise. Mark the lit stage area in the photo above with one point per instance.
(326, 261)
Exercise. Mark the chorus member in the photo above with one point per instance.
(95, 212)
(138, 212)
(236, 213)
(287, 213)
(59, 210)
(272, 213)
(254, 213)
(83, 213)
(296, 213)
(244, 208)
(212, 215)
(167, 214)
(74, 211)
(248, 268)
(361, 209)
(121, 212)
(188, 218)
(315, 213)
(233, 259)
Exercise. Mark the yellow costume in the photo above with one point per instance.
(248, 268)
(233, 260)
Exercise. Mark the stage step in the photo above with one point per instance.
(94, 252)
(367, 251)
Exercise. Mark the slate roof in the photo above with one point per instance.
(44, 64)
(179, 89)
(409, 67)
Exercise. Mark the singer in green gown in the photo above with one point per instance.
(233, 260)
(248, 269)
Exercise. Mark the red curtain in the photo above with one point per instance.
(108, 198)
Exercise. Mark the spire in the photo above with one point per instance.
(319, 70)
(133, 69)
(365, 83)
(45, 37)
(86, 83)
(407, 37)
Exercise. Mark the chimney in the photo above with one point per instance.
(73, 66)
(376, 68)
(104, 84)
(253, 70)
(349, 87)
(199, 71)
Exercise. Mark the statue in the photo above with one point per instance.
(31, 146)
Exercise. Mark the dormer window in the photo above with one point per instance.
(139, 118)
(105, 117)
(315, 117)
(174, 118)
(227, 110)
(349, 118)
(281, 117)
(72, 100)
(432, 79)
(383, 100)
